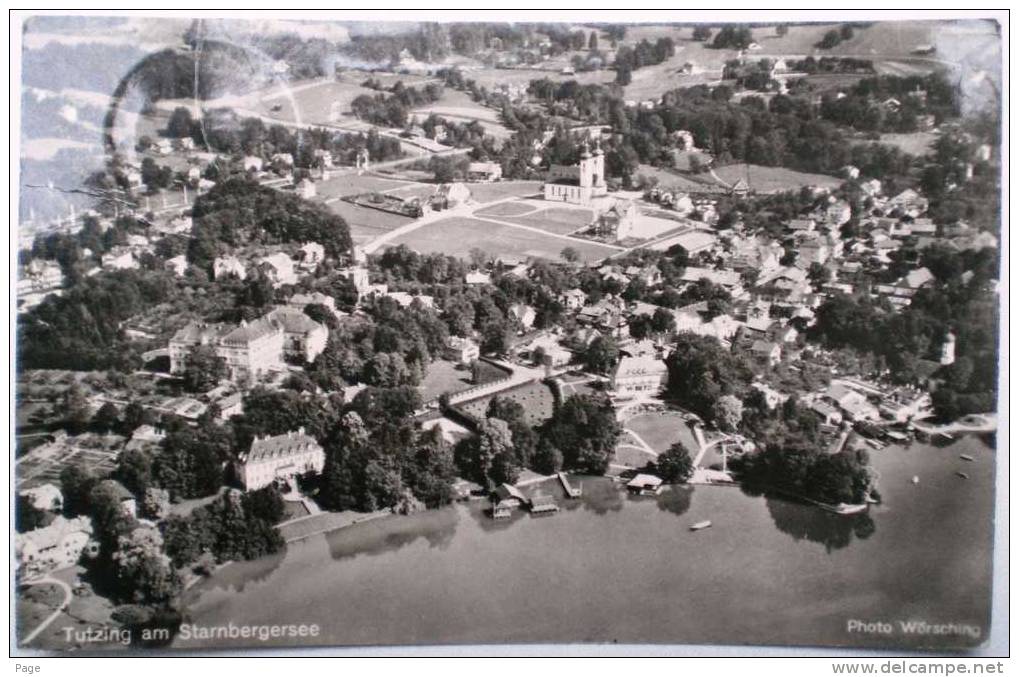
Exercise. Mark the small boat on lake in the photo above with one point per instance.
(966, 457)
(915, 480)
(849, 508)
(700, 525)
(896, 436)
(962, 475)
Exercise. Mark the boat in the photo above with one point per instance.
(896, 436)
(876, 444)
(700, 525)
(962, 475)
(872, 501)
(966, 457)
(849, 508)
(915, 480)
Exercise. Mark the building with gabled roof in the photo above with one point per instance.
(303, 337)
(56, 546)
(253, 349)
(280, 457)
(223, 266)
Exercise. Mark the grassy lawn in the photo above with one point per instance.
(536, 398)
(408, 191)
(662, 430)
(561, 220)
(352, 184)
(457, 236)
(917, 143)
(630, 455)
(293, 510)
(443, 376)
(774, 179)
(490, 192)
(507, 209)
(314, 103)
(366, 223)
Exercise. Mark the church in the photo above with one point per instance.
(578, 184)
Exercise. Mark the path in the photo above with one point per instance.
(643, 445)
(539, 231)
(59, 610)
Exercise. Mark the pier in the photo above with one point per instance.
(571, 492)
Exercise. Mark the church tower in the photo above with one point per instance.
(588, 169)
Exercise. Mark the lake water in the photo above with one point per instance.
(615, 568)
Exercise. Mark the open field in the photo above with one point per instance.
(457, 106)
(670, 179)
(536, 398)
(443, 376)
(365, 223)
(350, 184)
(507, 209)
(917, 143)
(561, 220)
(319, 101)
(773, 179)
(457, 236)
(490, 192)
(663, 429)
(409, 191)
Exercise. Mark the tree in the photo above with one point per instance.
(601, 355)
(28, 517)
(75, 405)
(727, 413)
(584, 430)
(203, 369)
(180, 124)
(488, 458)
(134, 470)
(782, 30)
(701, 371)
(143, 574)
(76, 483)
(570, 254)
(675, 464)
(701, 33)
(156, 503)
(106, 418)
(623, 76)
(592, 42)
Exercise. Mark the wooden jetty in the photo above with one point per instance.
(571, 491)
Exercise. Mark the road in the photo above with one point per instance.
(53, 616)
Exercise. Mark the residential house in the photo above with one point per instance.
(614, 218)
(854, 405)
(191, 335)
(56, 546)
(476, 277)
(766, 353)
(462, 350)
(450, 195)
(314, 254)
(223, 266)
(279, 268)
(828, 414)
(802, 225)
(281, 457)
(524, 314)
(484, 171)
(252, 163)
(44, 497)
(119, 258)
(303, 337)
(573, 299)
(178, 265)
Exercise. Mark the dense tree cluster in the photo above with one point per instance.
(701, 372)
(82, 329)
(239, 211)
(394, 110)
(732, 36)
(233, 527)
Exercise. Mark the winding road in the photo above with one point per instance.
(59, 610)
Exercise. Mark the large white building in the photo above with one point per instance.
(279, 458)
(578, 184)
(53, 547)
(643, 375)
(251, 350)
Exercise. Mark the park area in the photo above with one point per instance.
(444, 376)
(498, 190)
(560, 220)
(535, 398)
(366, 223)
(653, 432)
(457, 236)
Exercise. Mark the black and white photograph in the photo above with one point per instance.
(643, 329)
